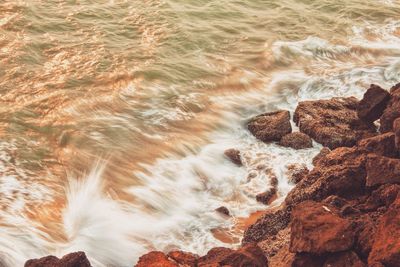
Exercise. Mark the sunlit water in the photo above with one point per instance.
(115, 114)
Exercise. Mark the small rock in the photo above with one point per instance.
(374, 102)
(383, 145)
(223, 210)
(267, 197)
(333, 123)
(317, 228)
(234, 156)
(271, 126)
(382, 170)
(296, 140)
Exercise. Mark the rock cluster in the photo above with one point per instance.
(343, 213)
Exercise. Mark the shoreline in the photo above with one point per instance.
(343, 212)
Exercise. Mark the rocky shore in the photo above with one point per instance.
(344, 212)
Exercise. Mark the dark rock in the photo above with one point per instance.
(234, 156)
(271, 126)
(373, 104)
(365, 228)
(266, 226)
(382, 170)
(214, 256)
(296, 140)
(76, 259)
(333, 123)
(386, 246)
(392, 112)
(155, 259)
(396, 129)
(184, 258)
(383, 145)
(317, 228)
(223, 210)
(324, 151)
(344, 259)
(267, 197)
(341, 173)
(383, 196)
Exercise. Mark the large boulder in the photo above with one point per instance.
(373, 104)
(271, 126)
(392, 112)
(382, 170)
(249, 255)
(383, 145)
(318, 228)
(296, 140)
(341, 173)
(76, 259)
(333, 123)
(386, 246)
(396, 129)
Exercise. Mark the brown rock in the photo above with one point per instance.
(223, 210)
(267, 197)
(324, 151)
(296, 140)
(386, 246)
(297, 172)
(309, 260)
(273, 244)
(383, 145)
(318, 228)
(365, 230)
(76, 259)
(155, 259)
(383, 196)
(214, 256)
(184, 258)
(267, 226)
(396, 129)
(234, 156)
(282, 258)
(333, 123)
(392, 112)
(340, 173)
(270, 126)
(344, 259)
(374, 102)
(382, 170)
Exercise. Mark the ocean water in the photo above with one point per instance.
(114, 115)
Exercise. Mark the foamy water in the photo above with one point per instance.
(115, 116)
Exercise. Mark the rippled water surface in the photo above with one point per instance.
(114, 115)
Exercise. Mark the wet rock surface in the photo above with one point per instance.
(296, 140)
(76, 259)
(333, 123)
(234, 156)
(269, 127)
(373, 104)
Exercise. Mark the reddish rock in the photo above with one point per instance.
(306, 259)
(318, 228)
(383, 145)
(234, 156)
(344, 259)
(267, 226)
(382, 170)
(374, 102)
(249, 255)
(392, 112)
(383, 196)
(296, 140)
(333, 123)
(76, 259)
(270, 126)
(297, 172)
(184, 258)
(223, 210)
(267, 197)
(386, 246)
(324, 151)
(282, 258)
(365, 228)
(341, 173)
(273, 244)
(396, 129)
(155, 259)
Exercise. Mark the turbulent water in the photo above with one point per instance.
(115, 114)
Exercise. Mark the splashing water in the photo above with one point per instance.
(151, 93)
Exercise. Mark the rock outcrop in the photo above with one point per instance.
(269, 127)
(333, 123)
(76, 259)
(373, 104)
(392, 111)
(296, 140)
(382, 170)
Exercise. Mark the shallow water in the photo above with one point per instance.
(115, 114)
